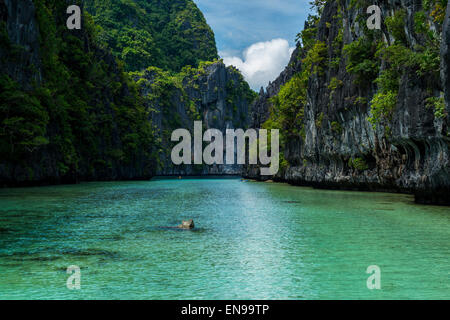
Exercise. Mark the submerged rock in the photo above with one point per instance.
(187, 225)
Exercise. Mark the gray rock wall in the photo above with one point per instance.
(413, 157)
(22, 59)
(213, 97)
(445, 60)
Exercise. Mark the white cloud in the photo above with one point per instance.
(263, 61)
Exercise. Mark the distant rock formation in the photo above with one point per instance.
(214, 94)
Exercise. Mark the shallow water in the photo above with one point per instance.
(253, 241)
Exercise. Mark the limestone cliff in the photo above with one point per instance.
(372, 115)
(20, 57)
(70, 112)
(445, 61)
(214, 94)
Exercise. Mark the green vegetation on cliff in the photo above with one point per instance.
(349, 74)
(168, 34)
(86, 119)
(377, 59)
(212, 93)
(75, 104)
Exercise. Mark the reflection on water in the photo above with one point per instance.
(253, 241)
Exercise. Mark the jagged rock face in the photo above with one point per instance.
(210, 97)
(18, 18)
(260, 107)
(415, 158)
(445, 61)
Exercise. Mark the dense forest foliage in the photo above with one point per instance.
(168, 34)
(85, 119)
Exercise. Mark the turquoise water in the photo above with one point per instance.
(253, 241)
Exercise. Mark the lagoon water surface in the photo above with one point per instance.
(253, 241)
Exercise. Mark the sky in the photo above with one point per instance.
(256, 36)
